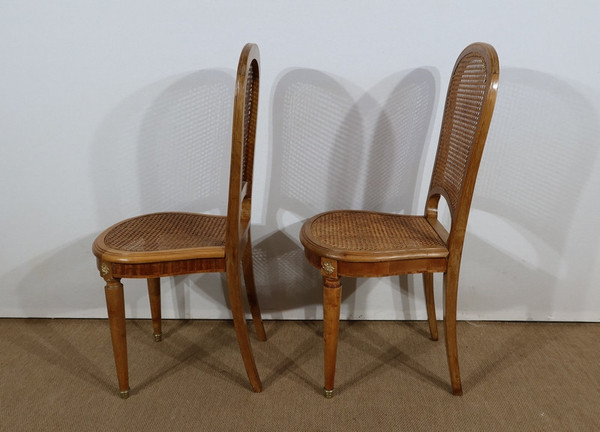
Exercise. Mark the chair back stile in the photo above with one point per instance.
(245, 112)
(467, 114)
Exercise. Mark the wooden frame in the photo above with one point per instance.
(414, 244)
(119, 255)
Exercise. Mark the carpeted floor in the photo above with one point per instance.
(58, 375)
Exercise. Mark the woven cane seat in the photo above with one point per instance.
(371, 236)
(149, 235)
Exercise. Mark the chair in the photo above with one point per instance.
(372, 244)
(168, 244)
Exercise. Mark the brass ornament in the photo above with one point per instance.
(328, 268)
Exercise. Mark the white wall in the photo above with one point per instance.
(111, 109)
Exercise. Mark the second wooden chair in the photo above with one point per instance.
(368, 244)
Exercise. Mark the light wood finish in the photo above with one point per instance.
(371, 244)
(167, 244)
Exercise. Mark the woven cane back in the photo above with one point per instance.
(467, 115)
(245, 111)
(250, 112)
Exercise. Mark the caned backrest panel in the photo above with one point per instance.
(250, 114)
(467, 115)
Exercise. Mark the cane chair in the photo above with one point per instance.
(372, 244)
(167, 244)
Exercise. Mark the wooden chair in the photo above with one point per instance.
(168, 244)
(369, 244)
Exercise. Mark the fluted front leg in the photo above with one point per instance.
(115, 304)
(332, 297)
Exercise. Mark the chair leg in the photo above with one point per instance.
(155, 310)
(115, 304)
(450, 304)
(251, 291)
(430, 303)
(241, 328)
(332, 298)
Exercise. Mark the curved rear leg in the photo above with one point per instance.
(251, 291)
(430, 303)
(450, 304)
(241, 328)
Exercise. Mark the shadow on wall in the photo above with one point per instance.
(540, 155)
(185, 143)
(335, 146)
(165, 147)
(171, 140)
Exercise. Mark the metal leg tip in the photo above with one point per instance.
(124, 394)
(158, 337)
(328, 393)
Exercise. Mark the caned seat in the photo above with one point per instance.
(362, 236)
(370, 244)
(175, 243)
(179, 235)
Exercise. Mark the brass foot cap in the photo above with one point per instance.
(158, 337)
(328, 393)
(124, 394)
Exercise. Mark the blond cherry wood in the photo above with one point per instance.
(167, 244)
(371, 244)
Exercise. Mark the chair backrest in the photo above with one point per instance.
(467, 115)
(245, 108)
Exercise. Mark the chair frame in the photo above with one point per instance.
(236, 253)
(334, 264)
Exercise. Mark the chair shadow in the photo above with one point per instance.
(528, 194)
(290, 364)
(383, 353)
(336, 146)
(184, 145)
(183, 352)
(181, 130)
(499, 357)
(39, 339)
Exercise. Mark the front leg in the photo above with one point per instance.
(115, 304)
(332, 298)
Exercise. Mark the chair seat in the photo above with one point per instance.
(364, 236)
(163, 237)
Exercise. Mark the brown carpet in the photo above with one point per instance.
(58, 375)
